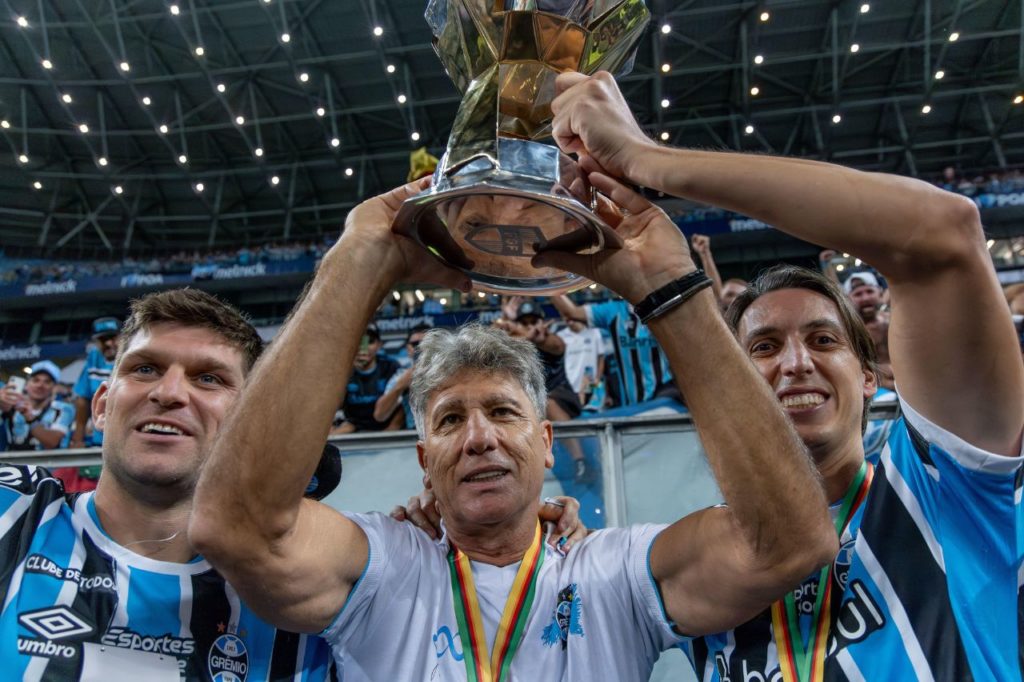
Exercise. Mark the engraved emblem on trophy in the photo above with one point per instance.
(499, 192)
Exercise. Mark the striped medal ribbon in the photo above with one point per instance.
(481, 667)
(800, 660)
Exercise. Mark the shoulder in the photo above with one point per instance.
(27, 480)
(930, 442)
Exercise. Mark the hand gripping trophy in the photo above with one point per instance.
(499, 194)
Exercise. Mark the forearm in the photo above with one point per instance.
(386, 404)
(564, 305)
(881, 218)
(552, 344)
(81, 416)
(49, 438)
(708, 261)
(761, 466)
(271, 441)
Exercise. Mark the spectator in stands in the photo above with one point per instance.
(397, 389)
(116, 563)
(370, 374)
(641, 370)
(99, 361)
(584, 357)
(524, 319)
(726, 292)
(927, 583)
(380, 591)
(865, 293)
(33, 418)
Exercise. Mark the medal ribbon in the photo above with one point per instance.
(800, 660)
(481, 667)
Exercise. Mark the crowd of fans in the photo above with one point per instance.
(33, 271)
(39, 271)
(597, 356)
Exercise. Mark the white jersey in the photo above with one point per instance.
(596, 615)
(582, 351)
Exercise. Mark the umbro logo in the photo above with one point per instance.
(58, 622)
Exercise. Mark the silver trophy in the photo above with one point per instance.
(498, 195)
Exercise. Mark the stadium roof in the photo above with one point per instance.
(768, 76)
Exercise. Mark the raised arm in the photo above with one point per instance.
(386, 404)
(947, 307)
(719, 567)
(702, 246)
(564, 305)
(293, 560)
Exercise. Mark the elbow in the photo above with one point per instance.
(951, 236)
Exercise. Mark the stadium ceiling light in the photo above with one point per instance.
(840, 267)
(37, 184)
(83, 128)
(665, 136)
(200, 50)
(221, 87)
(22, 158)
(481, 294)
(940, 74)
(390, 68)
(398, 296)
(274, 180)
(102, 161)
(23, 22)
(304, 77)
(125, 67)
(865, 8)
(146, 100)
(163, 128)
(855, 48)
(286, 37)
(836, 118)
(348, 174)
(320, 111)
(118, 189)
(1018, 99)
(765, 16)
(266, 2)
(200, 187)
(759, 59)
(665, 104)
(258, 152)
(240, 120)
(66, 98)
(182, 159)
(402, 99)
(419, 296)
(666, 67)
(926, 109)
(47, 64)
(378, 31)
(415, 136)
(666, 28)
(443, 300)
(5, 124)
(749, 129)
(755, 91)
(954, 36)
(990, 243)
(175, 10)
(335, 142)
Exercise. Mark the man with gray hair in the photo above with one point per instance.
(490, 600)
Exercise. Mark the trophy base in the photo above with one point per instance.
(488, 219)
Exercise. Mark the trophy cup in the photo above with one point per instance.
(498, 195)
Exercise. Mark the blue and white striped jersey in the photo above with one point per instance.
(97, 369)
(78, 606)
(929, 571)
(641, 366)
